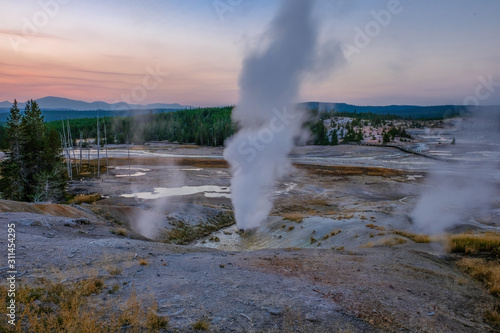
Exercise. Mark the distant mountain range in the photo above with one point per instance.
(58, 103)
(56, 108)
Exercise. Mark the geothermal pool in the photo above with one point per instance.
(209, 191)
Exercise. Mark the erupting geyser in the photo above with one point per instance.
(269, 123)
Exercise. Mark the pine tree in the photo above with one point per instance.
(33, 170)
(11, 183)
(320, 132)
(334, 139)
(386, 138)
(32, 125)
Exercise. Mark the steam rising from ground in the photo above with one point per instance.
(269, 124)
(149, 222)
(458, 192)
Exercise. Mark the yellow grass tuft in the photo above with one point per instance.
(476, 243)
(483, 270)
(394, 241)
(373, 226)
(414, 237)
(120, 232)
(114, 270)
(85, 198)
(201, 325)
(58, 307)
(155, 322)
(493, 316)
(294, 217)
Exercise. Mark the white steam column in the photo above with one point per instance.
(268, 123)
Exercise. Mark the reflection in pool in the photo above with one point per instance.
(210, 191)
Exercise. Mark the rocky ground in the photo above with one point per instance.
(381, 288)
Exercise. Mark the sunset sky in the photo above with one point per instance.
(431, 52)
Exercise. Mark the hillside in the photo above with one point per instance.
(58, 103)
(406, 111)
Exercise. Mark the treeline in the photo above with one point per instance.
(369, 118)
(203, 126)
(207, 127)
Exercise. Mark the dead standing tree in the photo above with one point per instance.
(106, 147)
(66, 152)
(98, 150)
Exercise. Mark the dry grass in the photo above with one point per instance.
(394, 241)
(373, 226)
(472, 244)
(188, 146)
(201, 325)
(333, 233)
(414, 237)
(481, 269)
(493, 316)
(120, 232)
(308, 207)
(324, 170)
(294, 216)
(179, 161)
(7, 206)
(155, 322)
(85, 198)
(75, 308)
(114, 270)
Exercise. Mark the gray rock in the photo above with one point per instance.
(274, 311)
(70, 224)
(311, 317)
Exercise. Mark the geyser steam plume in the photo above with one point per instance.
(460, 192)
(268, 122)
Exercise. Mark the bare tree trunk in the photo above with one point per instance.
(68, 157)
(70, 144)
(81, 144)
(106, 147)
(128, 153)
(88, 155)
(98, 150)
